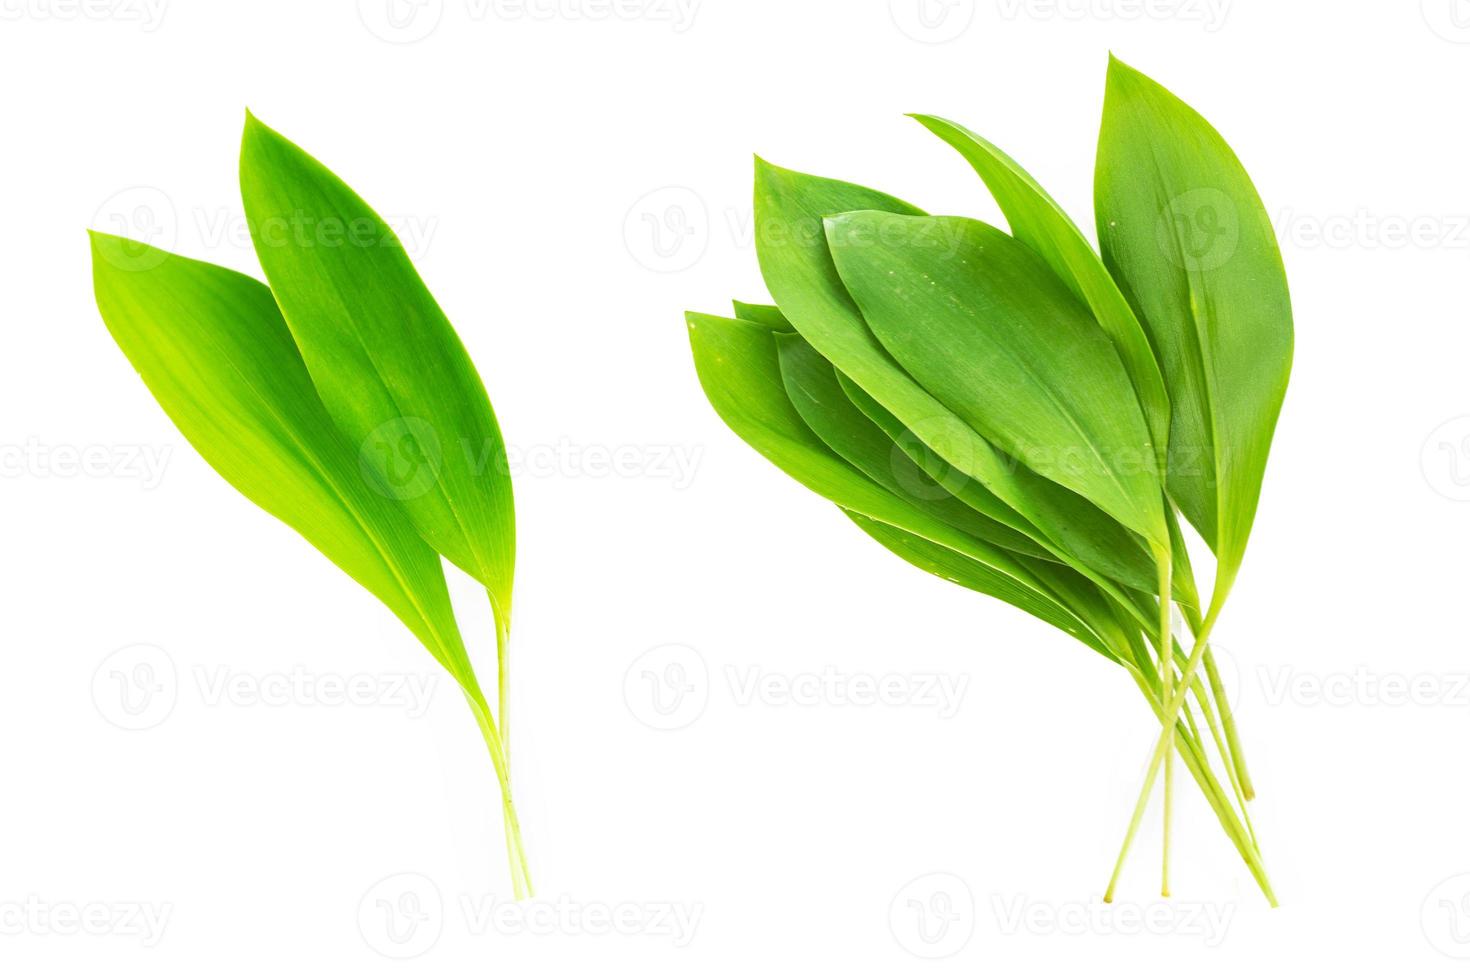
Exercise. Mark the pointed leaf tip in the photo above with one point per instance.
(388, 364)
(253, 125)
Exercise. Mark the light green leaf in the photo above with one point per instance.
(1039, 221)
(212, 348)
(1185, 234)
(388, 364)
(762, 313)
(977, 319)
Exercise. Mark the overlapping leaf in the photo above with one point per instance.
(1184, 232)
(390, 368)
(799, 271)
(977, 319)
(1094, 541)
(1038, 221)
(339, 399)
(211, 346)
(814, 390)
(1073, 605)
(738, 363)
(1000, 410)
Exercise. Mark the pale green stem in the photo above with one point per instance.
(1193, 758)
(1141, 666)
(1227, 718)
(515, 847)
(1217, 737)
(502, 695)
(1213, 723)
(502, 678)
(1191, 607)
(1171, 716)
(1166, 688)
(1236, 761)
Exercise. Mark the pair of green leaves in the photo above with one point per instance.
(338, 397)
(1059, 402)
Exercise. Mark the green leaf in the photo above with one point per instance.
(955, 567)
(978, 319)
(762, 313)
(1185, 234)
(739, 368)
(799, 272)
(914, 473)
(212, 348)
(390, 368)
(1039, 221)
(1093, 540)
(816, 394)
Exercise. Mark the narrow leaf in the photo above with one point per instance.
(815, 392)
(390, 368)
(1185, 234)
(739, 368)
(1092, 539)
(977, 319)
(1039, 221)
(955, 567)
(800, 274)
(212, 348)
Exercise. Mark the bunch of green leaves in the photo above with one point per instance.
(1027, 416)
(337, 397)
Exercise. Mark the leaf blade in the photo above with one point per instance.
(739, 368)
(800, 275)
(1215, 305)
(1038, 220)
(954, 567)
(391, 370)
(815, 392)
(211, 346)
(977, 319)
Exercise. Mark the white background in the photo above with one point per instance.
(529, 156)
